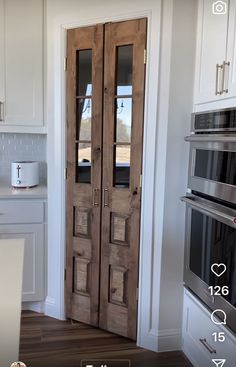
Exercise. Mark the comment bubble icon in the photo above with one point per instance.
(218, 317)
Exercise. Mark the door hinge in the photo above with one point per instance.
(65, 274)
(145, 56)
(140, 180)
(137, 294)
(65, 63)
(65, 173)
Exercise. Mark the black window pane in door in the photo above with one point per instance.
(124, 70)
(84, 73)
(122, 165)
(219, 166)
(212, 241)
(83, 159)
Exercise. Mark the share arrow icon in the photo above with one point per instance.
(219, 362)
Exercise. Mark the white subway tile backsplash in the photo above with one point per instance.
(23, 147)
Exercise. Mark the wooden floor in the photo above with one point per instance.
(48, 342)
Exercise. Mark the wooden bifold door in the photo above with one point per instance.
(105, 103)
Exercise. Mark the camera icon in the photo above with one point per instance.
(219, 7)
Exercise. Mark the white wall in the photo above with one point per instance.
(180, 108)
(159, 323)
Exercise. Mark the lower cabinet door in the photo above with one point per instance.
(34, 258)
(198, 331)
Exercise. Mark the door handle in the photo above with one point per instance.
(218, 68)
(1, 111)
(224, 85)
(95, 197)
(106, 197)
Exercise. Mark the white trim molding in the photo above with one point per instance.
(33, 306)
(56, 138)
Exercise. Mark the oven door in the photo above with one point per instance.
(212, 166)
(211, 239)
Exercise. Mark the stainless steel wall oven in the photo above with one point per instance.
(211, 210)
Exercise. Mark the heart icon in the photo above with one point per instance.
(218, 269)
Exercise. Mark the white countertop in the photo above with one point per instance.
(8, 192)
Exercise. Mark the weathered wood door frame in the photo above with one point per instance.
(131, 32)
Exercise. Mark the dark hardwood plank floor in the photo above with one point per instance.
(48, 342)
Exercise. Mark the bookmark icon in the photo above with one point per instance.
(219, 362)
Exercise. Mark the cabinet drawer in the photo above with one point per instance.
(12, 211)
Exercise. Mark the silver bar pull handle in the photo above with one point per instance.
(1, 111)
(218, 69)
(224, 138)
(105, 197)
(96, 197)
(207, 346)
(208, 208)
(224, 84)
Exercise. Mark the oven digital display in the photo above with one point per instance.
(216, 165)
(215, 120)
(212, 241)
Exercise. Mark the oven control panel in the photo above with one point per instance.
(220, 120)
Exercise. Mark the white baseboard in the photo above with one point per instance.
(47, 307)
(33, 306)
(52, 309)
(162, 341)
(169, 340)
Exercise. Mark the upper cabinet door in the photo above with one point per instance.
(211, 50)
(230, 75)
(21, 64)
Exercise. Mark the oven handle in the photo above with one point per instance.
(211, 137)
(212, 210)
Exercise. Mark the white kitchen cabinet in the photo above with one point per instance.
(26, 219)
(21, 66)
(231, 51)
(198, 341)
(215, 78)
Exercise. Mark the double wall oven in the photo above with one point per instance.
(211, 212)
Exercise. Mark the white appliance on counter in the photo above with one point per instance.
(24, 174)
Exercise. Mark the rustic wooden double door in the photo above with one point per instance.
(105, 103)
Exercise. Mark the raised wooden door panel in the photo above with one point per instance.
(124, 71)
(84, 135)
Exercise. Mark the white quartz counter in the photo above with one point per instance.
(38, 192)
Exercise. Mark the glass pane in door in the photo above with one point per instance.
(84, 73)
(123, 120)
(84, 119)
(83, 116)
(83, 163)
(122, 166)
(124, 70)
